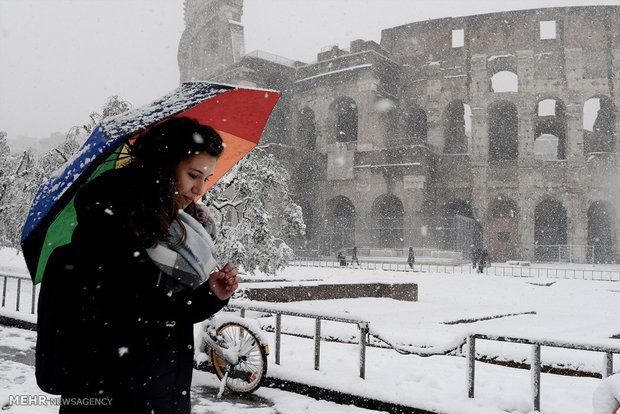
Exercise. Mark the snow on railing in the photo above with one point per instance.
(450, 348)
(535, 360)
(279, 310)
(14, 281)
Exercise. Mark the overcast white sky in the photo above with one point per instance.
(61, 59)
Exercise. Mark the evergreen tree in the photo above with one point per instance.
(256, 214)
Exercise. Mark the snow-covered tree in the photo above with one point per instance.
(22, 175)
(15, 197)
(255, 214)
(113, 106)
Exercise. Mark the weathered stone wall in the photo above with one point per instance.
(433, 160)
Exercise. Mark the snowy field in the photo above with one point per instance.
(449, 307)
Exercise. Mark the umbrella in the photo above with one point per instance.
(238, 114)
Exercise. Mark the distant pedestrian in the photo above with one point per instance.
(475, 256)
(411, 257)
(341, 259)
(354, 257)
(483, 261)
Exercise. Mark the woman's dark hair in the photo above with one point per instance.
(155, 154)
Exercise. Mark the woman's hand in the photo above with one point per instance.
(224, 282)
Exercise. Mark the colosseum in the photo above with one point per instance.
(495, 131)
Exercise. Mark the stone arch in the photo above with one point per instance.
(416, 127)
(457, 128)
(599, 125)
(341, 221)
(503, 229)
(387, 213)
(550, 230)
(550, 130)
(307, 128)
(456, 220)
(344, 112)
(601, 220)
(503, 123)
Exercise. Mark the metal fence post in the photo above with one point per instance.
(34, 294)
(608, 360)
(363, 334)
(4, 292)
(278, 336)
(535, 375)
(471, 364)
(19, 291)
(317, 343)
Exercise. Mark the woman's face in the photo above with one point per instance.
(191, 176)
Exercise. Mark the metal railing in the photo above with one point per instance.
(365, 332)
(363, 327)
(494, 270)
(17, 285)
(535, 362)
(553, 273)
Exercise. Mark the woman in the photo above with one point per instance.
(134, 311)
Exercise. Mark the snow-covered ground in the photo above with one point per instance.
(450, 306)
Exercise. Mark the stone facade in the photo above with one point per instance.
(495, 130)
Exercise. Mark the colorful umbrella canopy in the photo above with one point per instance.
(238, 114)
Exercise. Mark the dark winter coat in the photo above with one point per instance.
(130, 341)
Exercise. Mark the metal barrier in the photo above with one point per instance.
(18, 294)
(365, 333)
(363, 326)
(500, 270)
(554, 273)
(535, 363)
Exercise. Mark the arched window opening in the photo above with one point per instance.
(457, 128)
(550, 231)
(455, 227)
(416, 128)
(601, 221)
(550, 130)
(345, 111)
(599, 125)
(503, 124)
(505, 81)
(388, 212)
(307, 128)
(342, 223)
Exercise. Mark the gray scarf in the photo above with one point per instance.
(189, 265)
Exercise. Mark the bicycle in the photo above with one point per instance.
(236, 350)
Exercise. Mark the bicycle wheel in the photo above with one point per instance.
(247, 375)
